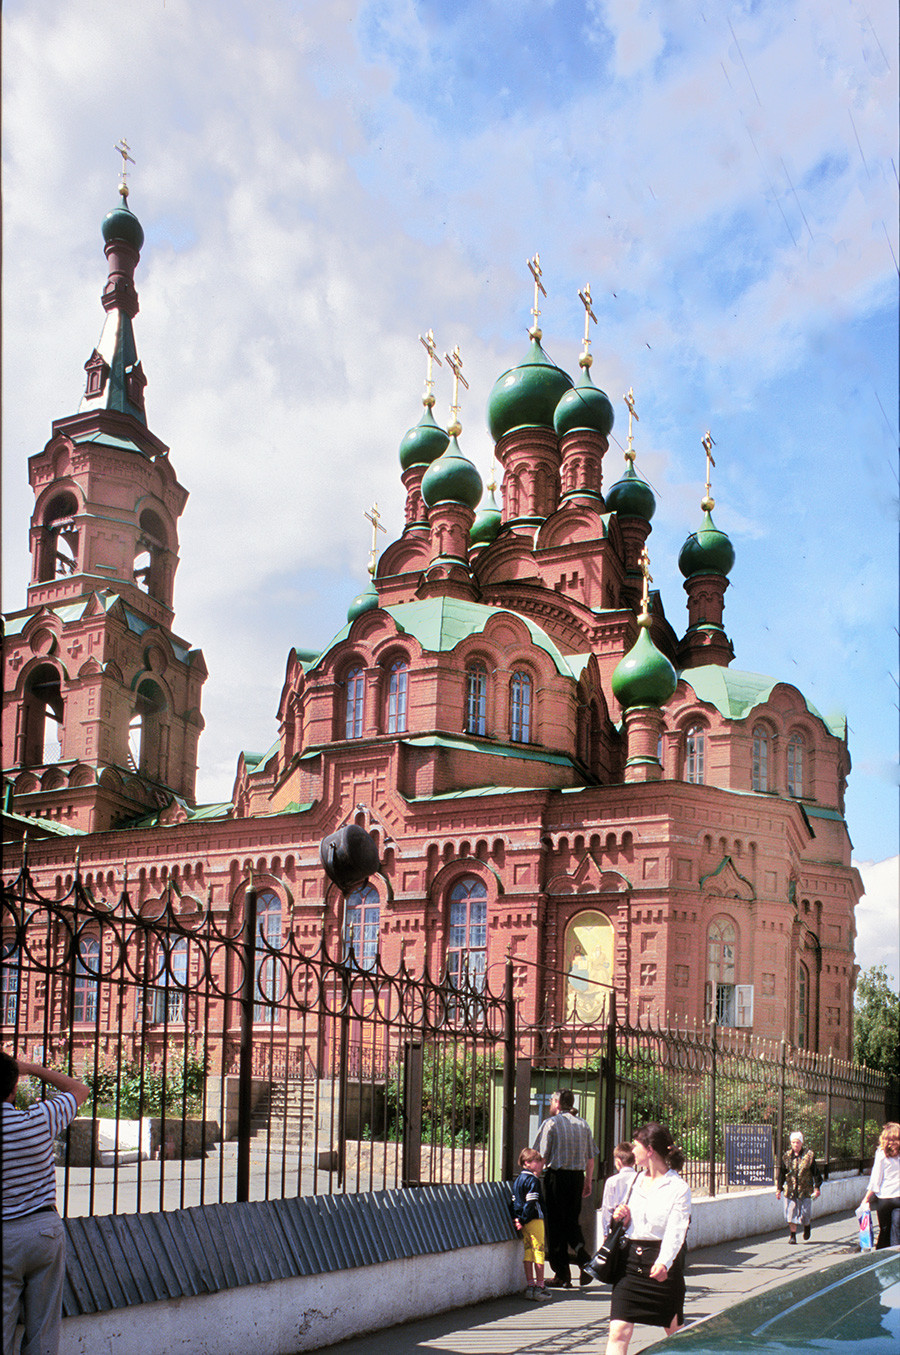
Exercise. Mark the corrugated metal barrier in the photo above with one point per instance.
(119, 1261)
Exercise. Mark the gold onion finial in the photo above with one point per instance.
(375, 518)
(585, 360)
(124, 150)
(455, 363)
(708, 503)
(632, 415)
(644, 618)
(534, 265)
(428, 344)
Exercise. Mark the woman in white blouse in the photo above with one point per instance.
(884, 1186)
(651, 1286)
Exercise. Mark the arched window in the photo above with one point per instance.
(695, 755)
(520, 708)
(171, 983)
(148, 561)
(397, 695)
(42, 718)
(268, 982)
(802, 1006)
(58, 558)
(760, 758)
(467, 933)
(145, 731)
(356, 693)
(795, 766)
(362, 919)
(721, 969)
(476, 699)
(87, 968)
(9, 989)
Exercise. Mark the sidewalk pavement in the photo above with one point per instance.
(577, 1321)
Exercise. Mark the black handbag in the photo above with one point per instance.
(606, 1263)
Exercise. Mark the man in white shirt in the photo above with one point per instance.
(34, 1240)
(566, 1144)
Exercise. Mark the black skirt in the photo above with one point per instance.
(637, 1298)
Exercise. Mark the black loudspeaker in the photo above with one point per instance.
(349, 857)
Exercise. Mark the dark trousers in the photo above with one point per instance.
(562, 1205)
(888, 1212)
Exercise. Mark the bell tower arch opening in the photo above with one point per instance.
(56, 552)
(43, 708)
(146, 731)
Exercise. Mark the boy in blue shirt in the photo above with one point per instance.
(528, 1216)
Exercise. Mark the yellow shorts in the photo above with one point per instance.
(533, 1237)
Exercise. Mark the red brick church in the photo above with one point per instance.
(549, 767)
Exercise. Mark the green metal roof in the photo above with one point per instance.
(735, 694)
(516, 750)
(474, 793)
(52, 826)
(108, 440)
(439, 624)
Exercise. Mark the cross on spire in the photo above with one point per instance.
(707, 443)
(124, 150)
(455, 363)
(375, 518)
(540, 290)
(585, 298)
(428, 344)
(632, 415)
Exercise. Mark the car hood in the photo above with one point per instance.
(850, 1306)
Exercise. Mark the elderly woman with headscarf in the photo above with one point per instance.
(799, 1180)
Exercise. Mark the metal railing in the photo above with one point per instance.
(229, 1062)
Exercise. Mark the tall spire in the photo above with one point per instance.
(115, 378)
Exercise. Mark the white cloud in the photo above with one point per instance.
(878, 917)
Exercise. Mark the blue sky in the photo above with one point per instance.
(319, 184)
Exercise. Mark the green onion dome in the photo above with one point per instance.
(644, 677)
(526, 396)
(452, 478)
(708, 551)
(367, 601)
(424, 443)
(584, 406)
(487, 523)
(122, 224)
(631, 497)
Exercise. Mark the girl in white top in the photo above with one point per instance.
(616, 1187)
(651, 1289)
(884, 1186)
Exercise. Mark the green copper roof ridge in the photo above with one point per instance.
(836, 725)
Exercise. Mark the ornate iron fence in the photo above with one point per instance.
(227, 1060)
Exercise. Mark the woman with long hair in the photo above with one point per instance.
(884, 1186)
(650, 1288)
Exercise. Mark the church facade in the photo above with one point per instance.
(551, 770)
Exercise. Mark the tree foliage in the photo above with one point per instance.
(876, 1039)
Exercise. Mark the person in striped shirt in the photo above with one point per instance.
(566, 1144)
(34, 1241)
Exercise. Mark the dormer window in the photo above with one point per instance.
(97, 375)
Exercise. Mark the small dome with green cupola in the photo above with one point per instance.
(631, 497)
(527, 396)
(424, 443)
(488, 521)
(584, 406)
(366, 601)
(122, 224)
(707, 551)
(644, 677)
(452, 478)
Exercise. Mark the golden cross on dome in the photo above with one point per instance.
(585, 299)
(375, 518)
(707, 444)
(428, 344)
(632, 414)
(455, 363)
(124, 149)
(534, 266)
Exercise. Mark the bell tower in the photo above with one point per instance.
(101, 699)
